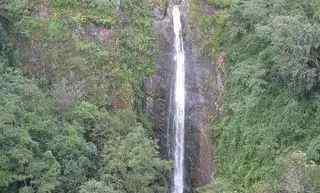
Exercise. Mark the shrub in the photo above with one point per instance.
(313, 152)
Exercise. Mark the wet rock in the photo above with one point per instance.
(160, 12)
(202, 93)
(158, 88)
(177, 2)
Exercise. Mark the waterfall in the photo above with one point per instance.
(179, 102)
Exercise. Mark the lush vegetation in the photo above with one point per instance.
(71, 80)
(268, 138)
(72, 98)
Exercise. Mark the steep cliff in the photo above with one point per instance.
(202, 91)
(98, 55)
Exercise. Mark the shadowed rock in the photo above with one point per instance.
(202, 93)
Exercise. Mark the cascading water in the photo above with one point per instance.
(179, 102)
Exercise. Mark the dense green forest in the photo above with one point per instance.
(269, 137)
(70, 104)
(72, 100)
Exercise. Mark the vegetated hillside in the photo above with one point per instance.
(71, 98)
(269, 137)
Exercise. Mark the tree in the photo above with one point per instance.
(25, 162)
(94, 186)
(132, 164)
(272, 89)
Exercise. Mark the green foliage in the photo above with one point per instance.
(111, 56)
(272, 91)
(24, 123)
(14, 8)
(94, 186)
(59, 129)
(283, 39)
(41, 154)
(219, 185)
(66, 3)
(131, 162)
(3, 47)
(133, 165)
(36, 154)
(137, 48)
(76, 157)
(313, 152)
(220, 3)
(297, 175)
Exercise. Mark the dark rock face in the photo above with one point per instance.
(160, 86)
(202, 90)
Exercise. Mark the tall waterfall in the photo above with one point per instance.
(179, 98)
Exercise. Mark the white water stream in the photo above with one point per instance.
(179, 96)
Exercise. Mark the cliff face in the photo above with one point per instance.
(202, 87)
(202, 93)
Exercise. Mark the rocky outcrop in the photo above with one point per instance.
(202, 94)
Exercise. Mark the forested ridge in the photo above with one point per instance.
(72, 96)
